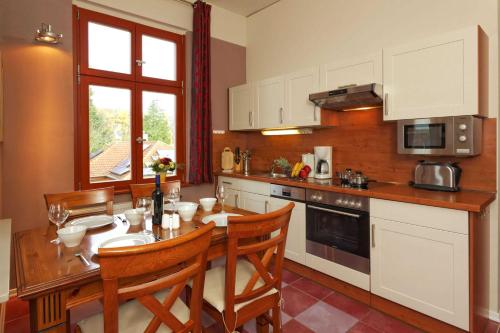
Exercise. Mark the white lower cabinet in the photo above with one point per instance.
(232, 197)
(417, 263)
(246, 194)
(296, 239)
(256, 203)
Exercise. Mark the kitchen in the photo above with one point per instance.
(273, 60)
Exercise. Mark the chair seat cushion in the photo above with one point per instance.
(215, 278)
(134, 317)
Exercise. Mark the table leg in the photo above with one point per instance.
(3, 306)
(48, 313)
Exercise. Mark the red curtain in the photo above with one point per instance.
(200, 166)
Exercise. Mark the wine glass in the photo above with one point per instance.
(173, 196)
(58, 213)
(147, 205)
(221, 196)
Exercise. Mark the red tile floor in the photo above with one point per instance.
(308, 307)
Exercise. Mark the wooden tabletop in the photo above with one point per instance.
(469, 200)
(42, 266)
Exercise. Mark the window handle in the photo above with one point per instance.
(139, 139)
(140, 62)
(373, 235)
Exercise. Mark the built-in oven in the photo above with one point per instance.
(447, 136)
(338, 228)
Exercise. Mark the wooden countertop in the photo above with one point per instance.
(469, 200)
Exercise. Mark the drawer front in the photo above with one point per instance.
(229, 182)
(255, 187)
(433, 217)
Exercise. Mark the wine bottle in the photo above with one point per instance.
(157, 202)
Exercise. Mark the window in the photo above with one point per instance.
(130, 101)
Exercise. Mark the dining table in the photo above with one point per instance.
(55, 279)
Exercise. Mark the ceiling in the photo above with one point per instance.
(243, 7)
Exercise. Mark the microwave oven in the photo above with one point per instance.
(441, 136)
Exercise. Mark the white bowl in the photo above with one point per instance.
(134, 216)
(73, 235)
(208, 203)
(187, 211)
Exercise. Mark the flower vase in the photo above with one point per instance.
(163, 176)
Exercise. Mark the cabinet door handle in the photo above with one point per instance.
(386, 107)
(250, 118)
(314, 113)
(236, 200)
(281, 115)
(266, 205)
(373, 235)
(227, 183)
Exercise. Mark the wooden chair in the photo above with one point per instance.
(156, 302)
(83, 203)
(145, 190)
(249, 287)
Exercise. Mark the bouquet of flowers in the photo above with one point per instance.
(163, 165)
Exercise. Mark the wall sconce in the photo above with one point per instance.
(46, 35)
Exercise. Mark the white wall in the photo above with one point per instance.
(295, 34)
(171, 15)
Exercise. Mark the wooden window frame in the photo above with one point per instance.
(85, 76)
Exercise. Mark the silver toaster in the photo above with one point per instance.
(440, 176)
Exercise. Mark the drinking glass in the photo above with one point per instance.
(173, 196)
(58, 213)
(221, 196)
(147, 204)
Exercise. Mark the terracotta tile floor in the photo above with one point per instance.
(308, 308)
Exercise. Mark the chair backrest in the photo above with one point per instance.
(187, 253)
(258, 249)
(82, 203)
(145, 190)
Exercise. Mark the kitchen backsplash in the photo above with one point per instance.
(362, 141)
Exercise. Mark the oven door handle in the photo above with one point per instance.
(335, 211)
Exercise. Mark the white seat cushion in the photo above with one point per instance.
(134, 317)
(215, 282)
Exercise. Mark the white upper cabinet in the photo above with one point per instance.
(353, 71)
(242, 114)
(434, 77)
(270, 102)
(299, 110)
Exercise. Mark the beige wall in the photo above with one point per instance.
(171, 15)
(296, 34)
(37, 151)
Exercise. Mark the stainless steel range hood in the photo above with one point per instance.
(349, 97)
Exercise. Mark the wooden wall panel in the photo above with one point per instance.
(363, 141)
(228, 139)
